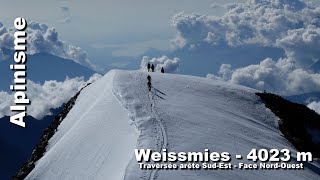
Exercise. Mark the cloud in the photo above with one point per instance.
(169, 65)
(51, 94)
(44, 39)
(215, 5)
(282, 77)
(225, 73)
(6, 101)
(66, 18)
(291, 25)
(3, 56)
(315, 106)
(302, 44)
(65, 9)
(6, 38)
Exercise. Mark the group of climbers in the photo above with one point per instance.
(151, 68)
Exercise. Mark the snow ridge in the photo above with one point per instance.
(191, 115)
(94, 141)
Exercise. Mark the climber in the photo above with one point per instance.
(148, 67)
(149, 78)
(162, 70)
(152, 68)
(149, 82)
(149, 85)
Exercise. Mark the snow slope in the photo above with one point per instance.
(116, 114)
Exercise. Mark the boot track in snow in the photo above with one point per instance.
(162, 128)
(164, 140)
(159, 130)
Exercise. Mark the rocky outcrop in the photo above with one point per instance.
(299, 124)
(40, 149)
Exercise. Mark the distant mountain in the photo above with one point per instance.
(304, 98)
(316, 67)
(18, 143)
(42, 67)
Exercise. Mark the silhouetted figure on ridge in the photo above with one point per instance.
(149, 85)
(152, 68)
(149, 82)
(148, 67)
(162, 70)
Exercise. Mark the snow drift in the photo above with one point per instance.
(116, 114)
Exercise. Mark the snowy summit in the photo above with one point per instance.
(117, 114)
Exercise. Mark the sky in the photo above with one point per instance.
(107, 28)
(122, 28)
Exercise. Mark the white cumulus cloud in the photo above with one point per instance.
(169, 65)
(315, 105)
(43, 97)
(282, 77)
(44, 39)
(291, 25)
